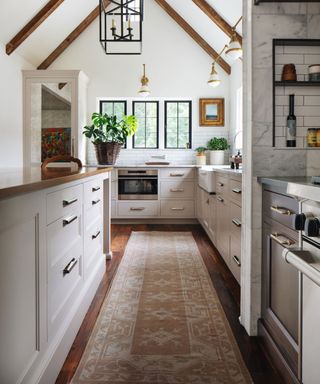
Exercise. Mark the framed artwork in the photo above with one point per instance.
(211, 112)
(55, 142)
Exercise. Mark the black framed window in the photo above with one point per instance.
(178, 124)
(114, 107)
(147, 114)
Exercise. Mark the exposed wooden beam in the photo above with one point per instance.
(33, 24)
(216, 18)
(196, 37)
(72, 37)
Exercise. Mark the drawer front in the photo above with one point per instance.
(235, 257)
(62, 202)
(280, 208)
(93, 192)
(138, 209)
(235, 190)
(64, 278)
(222, 184)
(91, 215)
(235, 217)
(177, 189)
(177, 208)
(177, 173)
(62, 235)
(92, 243)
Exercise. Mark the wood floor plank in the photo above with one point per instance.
(226, 286)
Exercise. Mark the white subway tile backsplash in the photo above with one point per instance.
(312, 100)
(284, 100)
(311, 121)
(301, 50)
(307, 110)
(312, 59)
(290, 58)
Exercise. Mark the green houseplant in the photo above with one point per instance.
(108, 133)
(201, 156)
(217, 146)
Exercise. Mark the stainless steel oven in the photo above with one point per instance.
(137, 184)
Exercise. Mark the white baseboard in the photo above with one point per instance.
(154, 221)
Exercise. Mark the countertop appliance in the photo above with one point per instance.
(206, 179)
(306, 259)
(137, 184)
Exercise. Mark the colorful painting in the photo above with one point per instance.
(55, 142)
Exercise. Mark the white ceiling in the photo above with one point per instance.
(71, 12)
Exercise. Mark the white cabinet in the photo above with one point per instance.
(52, 262)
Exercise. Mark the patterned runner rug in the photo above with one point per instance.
(162, 322)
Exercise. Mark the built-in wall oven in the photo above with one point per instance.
(137, 184)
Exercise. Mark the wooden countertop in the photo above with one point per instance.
(16, 181)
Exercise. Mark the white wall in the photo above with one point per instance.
(176, 67)
(11, 125)
(235, 83)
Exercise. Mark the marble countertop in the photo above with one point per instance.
(16, 181)
(300, 187)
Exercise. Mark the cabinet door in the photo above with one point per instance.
(223, 227)
(280, 304)
(212, 217)
(205, 208)
(22, 285)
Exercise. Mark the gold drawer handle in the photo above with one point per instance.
(70, 266)
(137, 209)
(236, 260)
(95, 235)
(280, 210)
(236, 222)
(177, 209)
(176, 174)
(236, 190)
(281, 239)
(176, 190)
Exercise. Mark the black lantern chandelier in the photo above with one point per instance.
(121, 26)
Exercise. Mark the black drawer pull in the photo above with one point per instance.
(95, 236)
(70, 266)
(94, 202)
(236, 190)
(96, 189)
(236, 260)
(220, 184)
(236, 222)
(220, 199)
(69, 220)
(65, 203)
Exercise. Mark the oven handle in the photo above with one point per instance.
(301, 261)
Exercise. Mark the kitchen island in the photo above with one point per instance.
(54, 238)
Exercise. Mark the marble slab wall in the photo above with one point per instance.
(261, 24)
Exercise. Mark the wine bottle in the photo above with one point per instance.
(291, 124)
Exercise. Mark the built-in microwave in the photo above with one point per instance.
(137, 184)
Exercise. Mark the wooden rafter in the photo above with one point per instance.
(72, 37)
(216, 18)
(33, 24)
(196, 37)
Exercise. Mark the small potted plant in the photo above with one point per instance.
(108, 134)
(217, 146)
(201, 156)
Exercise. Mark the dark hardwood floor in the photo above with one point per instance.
(226, 286)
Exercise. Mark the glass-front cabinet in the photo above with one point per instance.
(54, 114)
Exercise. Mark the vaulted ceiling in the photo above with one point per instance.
(66, 15)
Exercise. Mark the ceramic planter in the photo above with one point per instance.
(201, 159)
(216, 157)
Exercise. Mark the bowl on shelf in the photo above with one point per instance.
(314, 72)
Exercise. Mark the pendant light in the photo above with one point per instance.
(234, 49)
(214, 79)
(144, 91)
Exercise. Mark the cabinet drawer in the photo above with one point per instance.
(235, 219)
(280, 207)
(138, 209)
(92, 214)
(92, 243)
(177, 189)
(235, 190)
(62, 202)
(93, 192)
(177, 173)
(235, 257)
(62, 235)
(64, 276)
(222, 184)
(177, 208)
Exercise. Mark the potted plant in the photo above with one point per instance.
(201, 156)
(217, 146)
(108, 134)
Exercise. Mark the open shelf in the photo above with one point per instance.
(297, 83)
